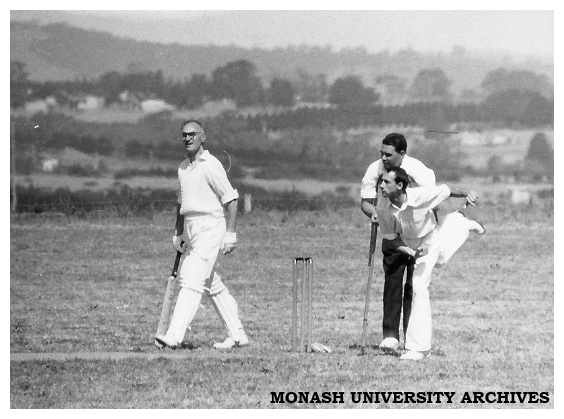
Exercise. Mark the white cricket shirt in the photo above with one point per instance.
(415, 221)
(204, 187)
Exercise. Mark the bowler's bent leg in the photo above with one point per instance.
(455, 230)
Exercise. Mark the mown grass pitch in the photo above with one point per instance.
(96, 285)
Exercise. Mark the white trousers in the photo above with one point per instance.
(441, 245)
(419, 328)
(196, 275)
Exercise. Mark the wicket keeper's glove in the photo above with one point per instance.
(179, 244)
(229, 242)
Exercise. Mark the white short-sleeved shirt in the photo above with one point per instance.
(419, 175)
(204, 187)
(414, 221)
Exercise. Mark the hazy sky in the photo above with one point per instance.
(514, 31)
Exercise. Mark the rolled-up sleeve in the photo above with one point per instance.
(442, 192)
(221, 185)
(230, 196)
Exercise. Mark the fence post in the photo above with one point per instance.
(14, 206)
(248, 207)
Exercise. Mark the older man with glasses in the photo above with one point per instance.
(205, 225)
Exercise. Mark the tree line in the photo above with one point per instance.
(509, 96)
(236, 80)
(506, 109)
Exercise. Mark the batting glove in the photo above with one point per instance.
(179, 244)
(229, 242)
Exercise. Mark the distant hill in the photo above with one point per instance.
(59, 51)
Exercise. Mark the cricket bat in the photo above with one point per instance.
(170, 296)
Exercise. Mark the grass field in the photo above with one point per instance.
(94, 286)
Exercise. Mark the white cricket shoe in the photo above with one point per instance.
(162, 341)
(389, 344)
(475, 226)
(414, 356)
(230, 343)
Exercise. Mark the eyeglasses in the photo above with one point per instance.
(190, 134)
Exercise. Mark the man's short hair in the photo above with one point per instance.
(401, 175)
(396, 140)
(194, 121)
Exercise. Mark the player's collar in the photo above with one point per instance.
(402, 206)
(204, 156)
